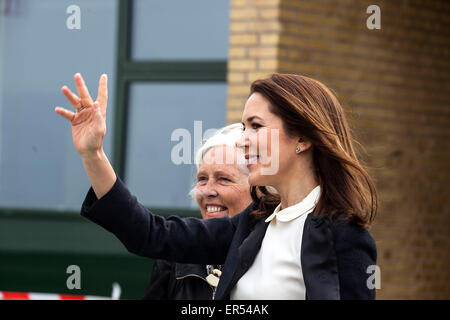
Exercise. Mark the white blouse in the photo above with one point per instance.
(276, 273)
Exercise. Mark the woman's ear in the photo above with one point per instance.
(303, 144)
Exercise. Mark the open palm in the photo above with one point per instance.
(89, 120)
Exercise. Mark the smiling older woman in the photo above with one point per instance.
(222, 177)
(222, 189)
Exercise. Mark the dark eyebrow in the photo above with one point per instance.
(250, 119)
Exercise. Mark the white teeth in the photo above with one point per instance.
(214, 208)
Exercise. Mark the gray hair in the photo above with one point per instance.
(227, 136)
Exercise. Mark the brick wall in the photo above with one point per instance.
(395, 86)
(254, 36)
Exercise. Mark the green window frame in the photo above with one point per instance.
(129, 71)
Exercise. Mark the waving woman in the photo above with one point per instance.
(304, 237)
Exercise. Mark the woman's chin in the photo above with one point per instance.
(256, 179)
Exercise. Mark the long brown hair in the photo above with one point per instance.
(309, 109)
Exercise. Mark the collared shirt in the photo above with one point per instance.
(276, 272)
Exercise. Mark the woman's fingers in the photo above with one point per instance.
(86, 100)
(102, 96)
(72, 97)
(69, 115)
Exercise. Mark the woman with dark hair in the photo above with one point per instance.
(305, 234)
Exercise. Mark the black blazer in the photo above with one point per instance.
(334, 255)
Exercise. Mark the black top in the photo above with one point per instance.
(178, 281)
(335, 256)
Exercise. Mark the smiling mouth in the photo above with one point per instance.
(251, 159)
(215, 210)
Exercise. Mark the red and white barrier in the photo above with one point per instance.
(11, 295)
(5, 295)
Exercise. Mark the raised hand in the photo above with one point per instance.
(89, 120)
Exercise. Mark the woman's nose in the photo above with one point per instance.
(208, 190)
(242, 142)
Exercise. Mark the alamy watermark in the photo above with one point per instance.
(74, 280)
(374, 20)
(261, 147)
(74, 20)
(374, 280)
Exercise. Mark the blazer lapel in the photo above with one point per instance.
(249, 249)
(244, 257)
(318, 259)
